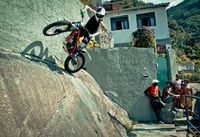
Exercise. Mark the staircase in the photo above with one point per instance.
(181, 127)
(178, 129)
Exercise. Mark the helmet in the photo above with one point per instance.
(155, 81)
(100, 12)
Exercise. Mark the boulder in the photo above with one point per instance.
(37, 98)
(166, 114)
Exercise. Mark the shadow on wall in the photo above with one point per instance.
(144, 110)
(41, 55)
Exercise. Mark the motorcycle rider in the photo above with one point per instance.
(93, 25)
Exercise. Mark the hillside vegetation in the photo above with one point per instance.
(184, 24)
(132, 3)
(187, 15)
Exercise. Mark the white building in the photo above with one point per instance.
(123, 22)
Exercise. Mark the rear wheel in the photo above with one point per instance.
(57, 28)
(74, 64)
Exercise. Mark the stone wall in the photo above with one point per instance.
(124, 74)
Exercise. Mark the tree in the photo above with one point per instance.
(144, 37)
(132, 3)
(127, 3)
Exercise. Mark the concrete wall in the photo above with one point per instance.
(22, 22)
(124, 74)
(161, 28)
(172, 65)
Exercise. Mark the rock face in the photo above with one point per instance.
(38, 99)
(22, 22)
(124, 74)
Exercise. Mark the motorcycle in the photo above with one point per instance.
(75, 60)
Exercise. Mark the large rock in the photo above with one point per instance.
(40, 99)
(166, 114)
(22, 22)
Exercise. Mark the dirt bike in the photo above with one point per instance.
(75, 60)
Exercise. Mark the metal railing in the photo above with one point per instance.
(190, 126)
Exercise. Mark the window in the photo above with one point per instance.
(119, 23)
(146, 19)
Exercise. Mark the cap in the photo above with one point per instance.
(155, 81)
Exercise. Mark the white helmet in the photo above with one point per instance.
(100, 12)
(155, 81)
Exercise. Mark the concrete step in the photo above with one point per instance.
(181, 127)
(153, 130)
(178, 129)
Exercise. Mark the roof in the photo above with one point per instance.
(141, 8)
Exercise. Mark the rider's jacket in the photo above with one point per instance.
(92, 25)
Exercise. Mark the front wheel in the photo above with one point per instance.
(74, 64)
(57, 28)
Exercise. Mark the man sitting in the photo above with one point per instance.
(168, 95)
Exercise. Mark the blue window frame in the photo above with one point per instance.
(119, 23)
(146, 19)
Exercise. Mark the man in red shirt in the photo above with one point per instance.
(154, 96)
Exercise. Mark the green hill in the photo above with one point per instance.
(184, 24)
(187, 15)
